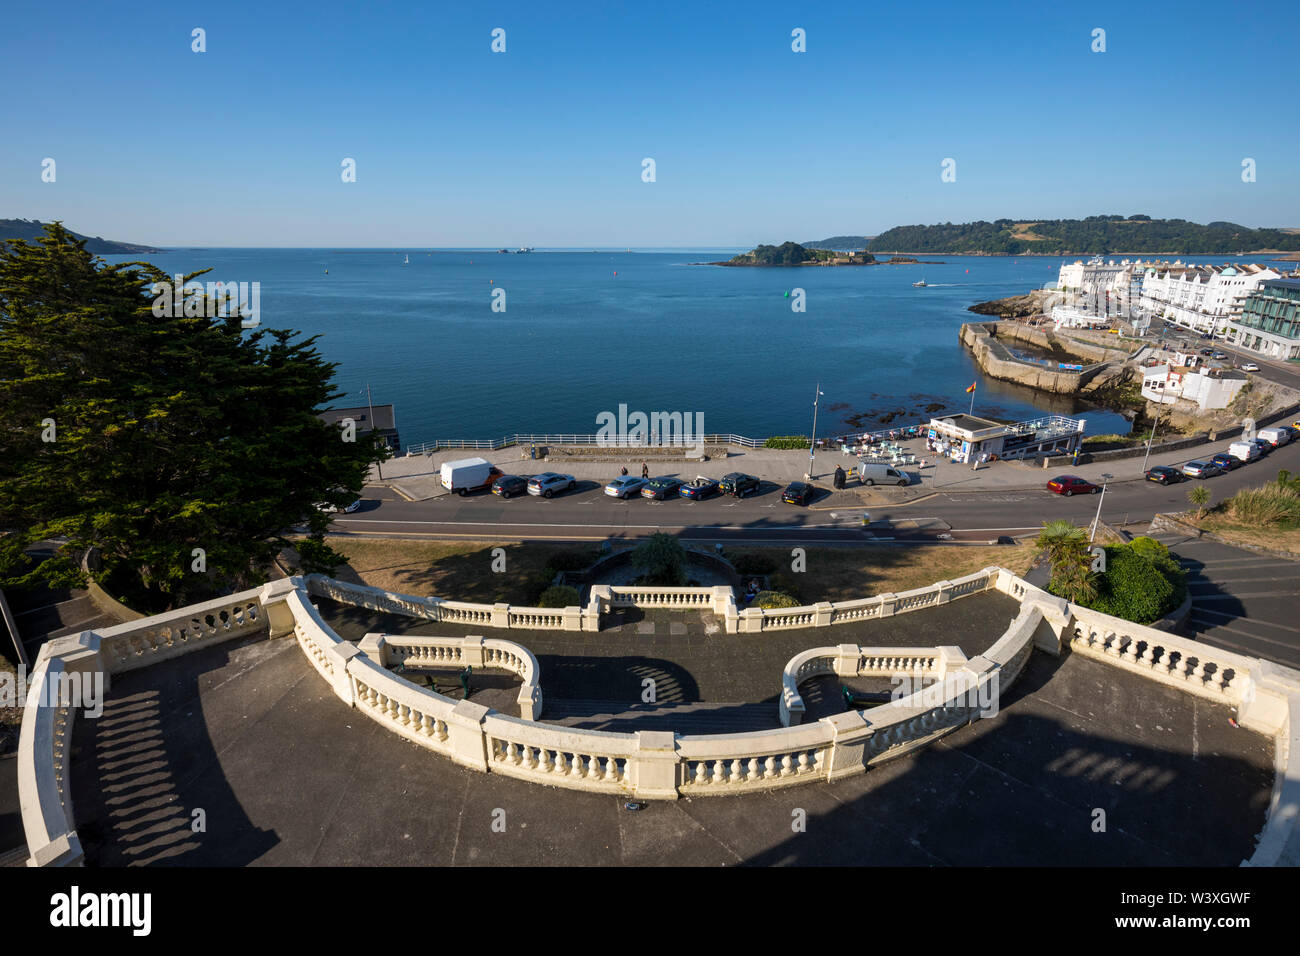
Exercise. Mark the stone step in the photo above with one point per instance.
(696, 717)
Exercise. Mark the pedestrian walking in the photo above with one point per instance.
(645, 470)
(838, 480)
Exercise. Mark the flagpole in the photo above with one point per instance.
(972, 401)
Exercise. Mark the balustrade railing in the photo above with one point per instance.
(152, 639)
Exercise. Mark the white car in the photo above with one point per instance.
(334, 509)
(1250, 367)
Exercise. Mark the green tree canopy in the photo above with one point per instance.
(148, 437)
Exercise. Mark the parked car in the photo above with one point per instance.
(1201, 469)
(1250, 367)
(699, 487)
(1227, 462)
(469, 474)
(798, 493)
(1163, 474)
(1263, 446)
(627, 486)
(330, 509)
(1219, 355)
(548, 483)
(510, 486)
(738, 484)
(1072, 485)
(1207, 351)
(660, 489)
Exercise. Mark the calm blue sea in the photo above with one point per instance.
(584, 331)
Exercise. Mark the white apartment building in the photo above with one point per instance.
(1201, 298)
(1205, 388)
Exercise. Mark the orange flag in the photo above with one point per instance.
(972, 387)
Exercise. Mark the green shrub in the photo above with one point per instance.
(774, 599)
(1133, 587)
(786, 441)
(1273, 505)
(661, 559)
(785, 584)
(560, 595)
(754, 564)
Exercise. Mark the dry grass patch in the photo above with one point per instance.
(844, 574)
(459, 570)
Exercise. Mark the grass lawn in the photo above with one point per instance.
(457, 570)
(844, 574)
(1283, 539)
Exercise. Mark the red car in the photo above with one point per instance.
(1070, 485)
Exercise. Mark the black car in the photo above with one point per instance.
(1263, 446)
(738, 485)
(507, 486)
(1226, 462)
(1165, 475)
(798, 493)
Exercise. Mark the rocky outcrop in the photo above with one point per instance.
(1015, 306)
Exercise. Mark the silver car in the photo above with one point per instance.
(625, 486)
(548, 483)
(1201, 469)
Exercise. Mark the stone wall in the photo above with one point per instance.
(997, 362)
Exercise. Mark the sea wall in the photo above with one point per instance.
(996, 361)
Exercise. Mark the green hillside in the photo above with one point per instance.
(1095, 235)
(31, 229)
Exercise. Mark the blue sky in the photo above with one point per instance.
(542, 145)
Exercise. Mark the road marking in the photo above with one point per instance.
(524, 524)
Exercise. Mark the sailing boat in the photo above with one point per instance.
(407, 262)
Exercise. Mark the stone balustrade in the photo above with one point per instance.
(1189, 665)
(650, 764)
(419, 652)
(163, 636)
(852, 660)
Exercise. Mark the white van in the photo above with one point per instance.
(872, 472)
(1277, 437)
(468, 474)
(1243, 450)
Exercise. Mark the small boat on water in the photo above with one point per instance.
(920, 285)
(407, 262)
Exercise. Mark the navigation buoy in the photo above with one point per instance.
(615, 273)
(787, 293)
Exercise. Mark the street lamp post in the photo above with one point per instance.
(370, 403)
(812, 444)
(1150, 439)
(1104, 479)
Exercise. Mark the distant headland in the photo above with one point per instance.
(795, 254)
(32, 229)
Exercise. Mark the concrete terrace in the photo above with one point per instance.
(287, 775)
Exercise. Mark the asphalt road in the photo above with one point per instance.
(587, 513)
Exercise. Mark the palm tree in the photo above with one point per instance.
(1066, 547)
(1199, 496)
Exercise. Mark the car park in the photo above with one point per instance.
(548, 484)
(1201, 469)
(1227, 462)
(1072, 485)
(798, 493)
(659, 489)
(738, 484)
(510, 486)
(1164, 475)
(699, 487)
(626, 486)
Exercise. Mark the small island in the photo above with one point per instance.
(794, 254)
